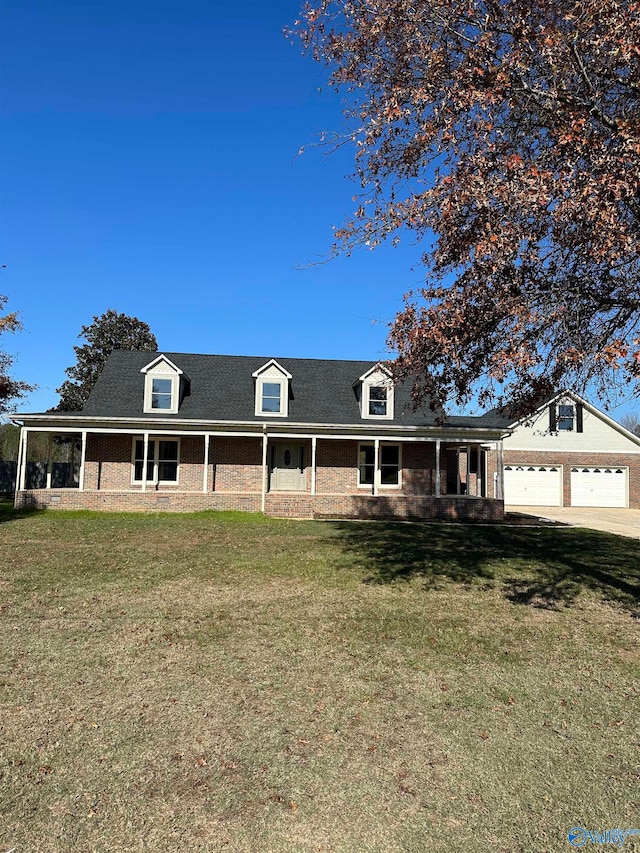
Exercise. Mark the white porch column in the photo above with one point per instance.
(145, 459)
(468, 451)
(438, 484)
(457, 470)
(265, 441)
(18, 467)
(376, 465)
(49, 459)
(500, 472)
(24, 439)
(83, 459)
(205, 473)
(314, 447)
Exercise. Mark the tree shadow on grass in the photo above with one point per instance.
(8, 513)
(537, 566)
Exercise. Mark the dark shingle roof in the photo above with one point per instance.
(221, 388)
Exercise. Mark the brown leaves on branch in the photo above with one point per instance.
(10, 389)
(506, 136)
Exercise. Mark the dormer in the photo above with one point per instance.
(163, 386)
(376, 394)
(272, 390)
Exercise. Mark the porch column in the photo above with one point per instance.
(265, 441)
(314, 445)
(205, 473)
(83, 459)
(376, 463)
(49, 459)
(18, 467)
(457, 470)
(438, 490)
(24, 440)
(500, 472)
(145, 459)
(468, 452)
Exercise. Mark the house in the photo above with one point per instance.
(285, 436)
(568, 453)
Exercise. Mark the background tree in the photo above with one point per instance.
(10, 389)
(631, 421)
(107, 332)
(506, 136)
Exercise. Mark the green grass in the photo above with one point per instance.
(223, 681)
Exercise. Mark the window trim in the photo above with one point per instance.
(377, 472)
(261, 381)
(156, 439)
(377, 376)
(161, 368)
(272, 373)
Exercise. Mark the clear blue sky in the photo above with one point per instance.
(149, 164)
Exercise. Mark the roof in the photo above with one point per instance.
(222, 388)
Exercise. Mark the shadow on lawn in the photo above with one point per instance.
(541, 567)
(8, 513)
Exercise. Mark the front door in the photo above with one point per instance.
(287, 467)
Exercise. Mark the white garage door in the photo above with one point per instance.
(533, 485)
(598, 486)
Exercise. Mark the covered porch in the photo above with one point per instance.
(283, 473)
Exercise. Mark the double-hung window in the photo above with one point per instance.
(162, 460)
(388, 473)
(161, 393)
(271, 398)
(565, 417)
(378, 401)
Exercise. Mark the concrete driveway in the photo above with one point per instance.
(624, 522)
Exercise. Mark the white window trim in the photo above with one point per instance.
(284, 396)
(266, 375)
(366, 388)
(161, 368)
(155, 481)
(378, 376)
(377, 473)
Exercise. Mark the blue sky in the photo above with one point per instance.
(150, 165)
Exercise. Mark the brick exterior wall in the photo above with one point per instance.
(579, 460)
(234, 481)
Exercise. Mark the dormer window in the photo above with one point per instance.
(376, 397)
(272, 390)
(161, 393)
(378, 401)
(162, 386)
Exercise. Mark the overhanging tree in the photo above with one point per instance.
(109, 331)
(506, 136)
(10, 389)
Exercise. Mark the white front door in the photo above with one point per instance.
(287, 467)
(599, 486)
(533, 485)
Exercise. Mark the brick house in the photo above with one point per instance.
(288, 437)
(569, 453)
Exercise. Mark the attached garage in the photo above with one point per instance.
(599, 486)
(533, 485)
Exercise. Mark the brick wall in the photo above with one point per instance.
(236, 464)
(278, 504)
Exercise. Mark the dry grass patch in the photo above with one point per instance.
(222, 682)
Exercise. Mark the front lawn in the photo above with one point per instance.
(222, 681)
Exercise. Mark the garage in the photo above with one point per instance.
(533, 485)
(606, 487)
